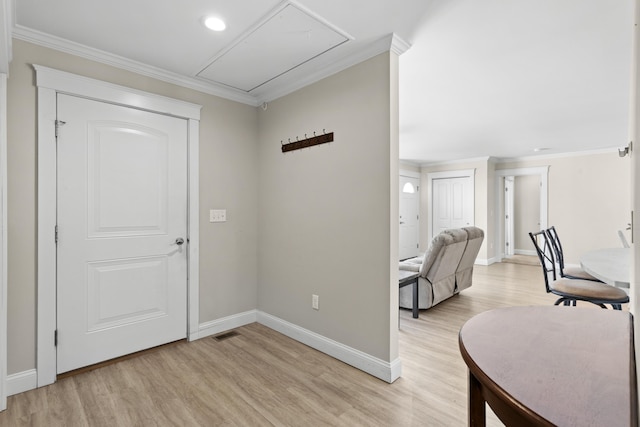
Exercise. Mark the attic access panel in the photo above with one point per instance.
(281, 42)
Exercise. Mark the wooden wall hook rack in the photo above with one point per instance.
(307, 142)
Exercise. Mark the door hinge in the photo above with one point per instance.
(56, 234)
(58, 124)
(55, 338)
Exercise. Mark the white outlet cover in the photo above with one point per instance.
(217, 215)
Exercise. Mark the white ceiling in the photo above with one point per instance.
(482, 78)
(503, 77)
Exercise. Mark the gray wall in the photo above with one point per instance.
(325, 216)
(228, 179)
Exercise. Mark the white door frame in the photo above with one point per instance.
(543, 172)
(50, 82)
(464, 173)
(509, 182)
(3, 241)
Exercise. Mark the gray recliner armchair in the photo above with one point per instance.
(445, 269)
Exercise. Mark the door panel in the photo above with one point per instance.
(452, 203)
(122, 203)
(441, 205)
(409, 211)
(143, 171)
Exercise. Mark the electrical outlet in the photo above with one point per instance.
(217, 215)
(315, 302)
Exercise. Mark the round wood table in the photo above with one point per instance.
(543, 366)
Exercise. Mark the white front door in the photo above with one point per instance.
(409, 212)
(122, 208)
(452, 203)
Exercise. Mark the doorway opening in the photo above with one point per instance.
(522, 206)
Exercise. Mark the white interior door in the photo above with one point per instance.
(122, 208)
(409, 217)
(452, 203)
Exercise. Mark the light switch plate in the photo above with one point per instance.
(217, 215)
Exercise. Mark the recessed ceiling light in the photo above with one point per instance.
(540, 149)
(214, 23)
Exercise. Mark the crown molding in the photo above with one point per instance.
(77, 49)
(398, 45)
(558, 155)
(254, 98)
(385, 44)
(6, 24)
(454, 162)
(502, 160)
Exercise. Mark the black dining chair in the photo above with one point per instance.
(572, 290)
(568, 272)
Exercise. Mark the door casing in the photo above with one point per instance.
(50, 82)
(543, 172)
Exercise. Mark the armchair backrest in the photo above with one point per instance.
(464, 272)
(444, 254)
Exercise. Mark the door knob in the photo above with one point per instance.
(179, 241)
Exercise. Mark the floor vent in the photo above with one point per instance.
(226, 336)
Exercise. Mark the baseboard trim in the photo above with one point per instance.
(386, 371)
(484, 261)
(224, 324)
(22, 381)
(525, 252)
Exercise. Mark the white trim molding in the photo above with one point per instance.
(386, 371)
(22, 381)
(218, 326)
(409, 173)
(50, 82)
(6, 25)
(82, 51)
(274, 90)
(3, 242)
(391, 43)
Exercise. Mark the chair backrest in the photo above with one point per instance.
(444, 254)
(544, 250)
(554, 241)
(464, 273)
(623, 239)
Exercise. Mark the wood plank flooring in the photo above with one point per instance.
(262, 378)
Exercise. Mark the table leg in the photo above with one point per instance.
(416, 306)
(477, 411)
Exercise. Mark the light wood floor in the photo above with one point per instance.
(260, 377)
